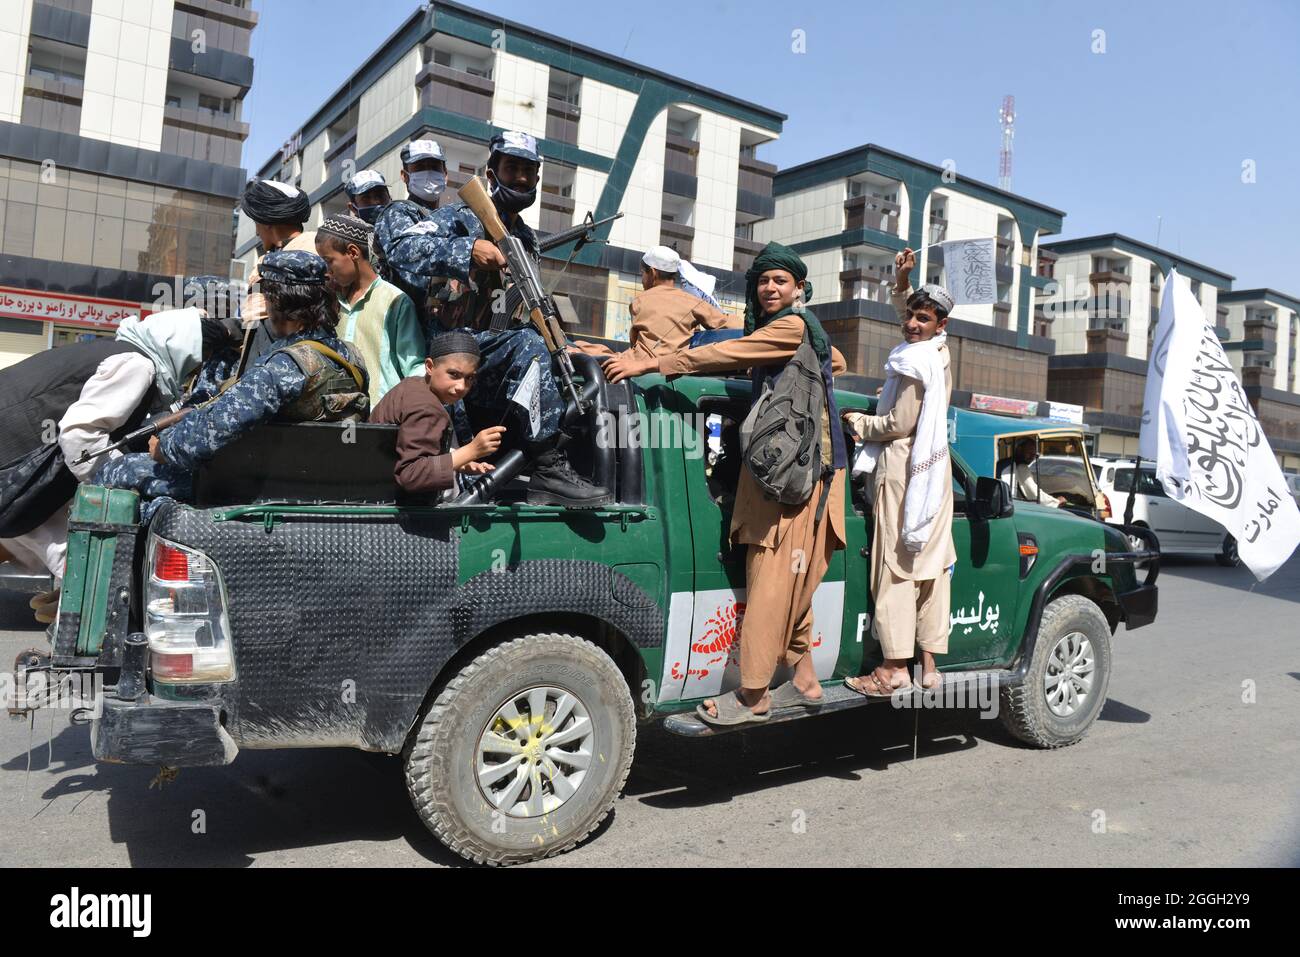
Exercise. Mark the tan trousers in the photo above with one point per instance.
(910, 613)
(780, 582)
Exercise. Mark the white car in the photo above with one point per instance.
(1181, 530)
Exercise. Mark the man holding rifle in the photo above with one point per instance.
(452, 248)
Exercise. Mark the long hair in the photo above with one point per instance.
(314, 306)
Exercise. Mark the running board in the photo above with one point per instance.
(837, 697)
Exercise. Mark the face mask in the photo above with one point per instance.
(370, 213)
(512, 200)
(427, 185)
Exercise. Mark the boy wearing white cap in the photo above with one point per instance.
(665, 316)
(906, 446)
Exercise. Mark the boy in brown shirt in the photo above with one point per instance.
(427, 455)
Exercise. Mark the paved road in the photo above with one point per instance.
(1183, 770)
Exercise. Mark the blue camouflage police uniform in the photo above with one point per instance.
(439, 248)
(283, 383)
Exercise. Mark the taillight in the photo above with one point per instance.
(1105, 506)
(170, 563)
(185, 616)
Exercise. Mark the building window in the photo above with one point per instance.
(110, 223)
(215, 104)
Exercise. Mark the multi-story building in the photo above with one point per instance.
(679, 160)
(1101, 307)
(848, 214)
(1263, 343)
(120, 141)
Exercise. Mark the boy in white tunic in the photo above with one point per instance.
(912, 548)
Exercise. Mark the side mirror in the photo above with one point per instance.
(992, 499)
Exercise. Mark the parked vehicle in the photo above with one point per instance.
(507, 652)
(1180, 530)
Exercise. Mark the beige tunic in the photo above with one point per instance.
(788, 550)
(897, 429)
(757, 520)
(663, 320)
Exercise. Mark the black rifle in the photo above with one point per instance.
(536, 301)
(584, 232)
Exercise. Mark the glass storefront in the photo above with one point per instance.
(111, 223)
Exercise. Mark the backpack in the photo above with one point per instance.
(780, 439)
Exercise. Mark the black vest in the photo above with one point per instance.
(42, 387)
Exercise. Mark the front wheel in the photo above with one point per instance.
(523, 753)
(1068, 676)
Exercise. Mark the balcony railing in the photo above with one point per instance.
(677, 234)
(871, 212)
(680, 154)
(755, 176)
(938, 229)
(562, 120)
(746, 250)
(456, 91)
(863, 287)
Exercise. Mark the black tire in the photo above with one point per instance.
(441, 755)
(1228, 558)
(1024, 709)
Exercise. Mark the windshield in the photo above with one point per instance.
(1057, 467)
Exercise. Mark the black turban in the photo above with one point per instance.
(453, 343)
(275, 204)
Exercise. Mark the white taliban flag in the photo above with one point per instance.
(971, 269)
(528, 394)
(1209, 449)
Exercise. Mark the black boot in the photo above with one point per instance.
(554, 482)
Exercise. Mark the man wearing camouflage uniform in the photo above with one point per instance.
(306, 375)
(449, 253)
(424, 171)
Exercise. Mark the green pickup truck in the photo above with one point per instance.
(508, 652)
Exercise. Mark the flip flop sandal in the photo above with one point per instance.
(788, 696)
(872, 686)
(731, 712)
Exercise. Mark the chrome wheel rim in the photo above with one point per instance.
(535, 752)
(1071, 669)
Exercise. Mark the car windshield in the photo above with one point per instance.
(1067, 477)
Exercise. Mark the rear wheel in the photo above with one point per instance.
(1069, 673)
(1228, 558)
(525, 750)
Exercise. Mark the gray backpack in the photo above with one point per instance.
(780, 439)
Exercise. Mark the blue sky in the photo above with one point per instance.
(1157, 126)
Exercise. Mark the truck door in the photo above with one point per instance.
(717, 605)
(985, 584)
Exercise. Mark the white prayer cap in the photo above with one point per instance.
(421, 149)
(937, 294)
(662, 258)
